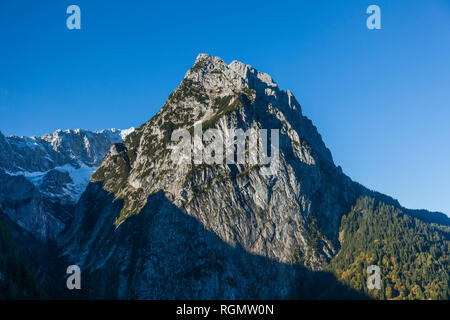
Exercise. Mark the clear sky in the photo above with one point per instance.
(380, 98)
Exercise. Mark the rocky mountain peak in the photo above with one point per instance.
(213, 74)
(266, 215)
(155, 227)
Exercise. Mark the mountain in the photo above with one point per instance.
(151, 226)
(41, 178)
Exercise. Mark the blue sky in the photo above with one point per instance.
(380, 98)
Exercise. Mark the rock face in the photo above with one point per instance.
(143, 221)
(155, 229)
(41, 178)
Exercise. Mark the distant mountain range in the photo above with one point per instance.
(142, 225)
(42, 178)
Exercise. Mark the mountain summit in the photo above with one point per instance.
(147, 227)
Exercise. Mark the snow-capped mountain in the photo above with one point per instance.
(43, 177)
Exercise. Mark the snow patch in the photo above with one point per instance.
(124, 133)
(80, 177)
